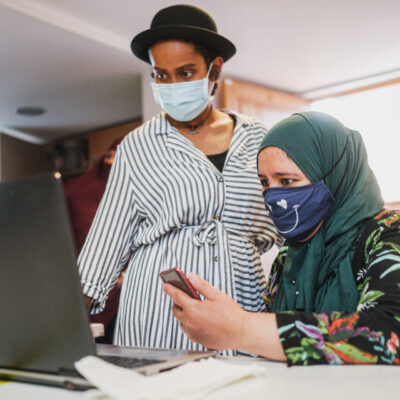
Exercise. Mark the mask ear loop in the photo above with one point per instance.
(209, 70)
(335, 165)
(213, 81)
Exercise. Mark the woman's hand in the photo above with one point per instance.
(219, 323)
(216, 322)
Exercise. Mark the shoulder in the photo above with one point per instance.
(380, 230)
(388, 219)
(252, 130)
(383, 225)
(250, 124)
(385, 222)
(380, 276)
(251, 121)
(145, 134)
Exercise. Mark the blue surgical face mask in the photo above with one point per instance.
(297, 211)
(183, 101)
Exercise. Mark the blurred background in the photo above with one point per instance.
(70, 88)
(69, 85)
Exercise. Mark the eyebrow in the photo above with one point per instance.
(176, 69)
(281, 174)
(286, 174)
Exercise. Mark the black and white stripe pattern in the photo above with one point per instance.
(167, 202)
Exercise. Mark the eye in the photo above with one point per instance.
(187, 74)
(286, 181)
(264, 182)
(158, 76)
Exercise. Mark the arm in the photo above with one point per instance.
(368, 336)
(108, 243)
(219, 323)
(371, 335)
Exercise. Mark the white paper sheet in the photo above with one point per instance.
(194, 380)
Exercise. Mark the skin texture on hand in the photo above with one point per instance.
(219, 323)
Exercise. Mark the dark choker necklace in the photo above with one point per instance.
(193, 127)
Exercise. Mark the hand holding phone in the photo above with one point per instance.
(177, 278)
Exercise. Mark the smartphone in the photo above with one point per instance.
(177, 278)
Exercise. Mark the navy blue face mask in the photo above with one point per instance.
(297, 211)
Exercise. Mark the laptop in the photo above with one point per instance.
(44, 325)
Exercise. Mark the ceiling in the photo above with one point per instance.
(72, 57)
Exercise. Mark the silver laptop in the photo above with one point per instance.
(44, 326)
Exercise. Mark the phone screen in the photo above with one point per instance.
(177, 278)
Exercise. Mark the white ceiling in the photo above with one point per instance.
(72, 57)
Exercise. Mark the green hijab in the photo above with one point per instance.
(317, 275)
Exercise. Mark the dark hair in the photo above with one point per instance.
(208, 54)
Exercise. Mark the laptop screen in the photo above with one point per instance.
(44, 322)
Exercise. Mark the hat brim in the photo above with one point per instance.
(143, 41)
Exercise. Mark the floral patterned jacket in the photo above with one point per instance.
(371, 334)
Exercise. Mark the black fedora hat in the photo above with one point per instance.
(182, 22)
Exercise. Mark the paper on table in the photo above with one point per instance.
(193, 380)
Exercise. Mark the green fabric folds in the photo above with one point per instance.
(317, 275)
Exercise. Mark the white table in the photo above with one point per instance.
(279, 382)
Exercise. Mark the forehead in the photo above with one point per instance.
(172, 52)
(273, 159)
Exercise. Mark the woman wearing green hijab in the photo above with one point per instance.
(334, 289)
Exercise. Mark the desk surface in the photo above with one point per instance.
(279, 382)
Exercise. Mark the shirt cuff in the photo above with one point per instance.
(98, 294)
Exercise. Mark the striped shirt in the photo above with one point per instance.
(166, 202)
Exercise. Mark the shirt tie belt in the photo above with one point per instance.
(211, 230)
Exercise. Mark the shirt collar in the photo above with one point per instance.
(240, 118)
(160, 125)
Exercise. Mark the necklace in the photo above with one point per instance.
(193, 127)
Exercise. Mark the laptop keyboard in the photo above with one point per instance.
(129, 362)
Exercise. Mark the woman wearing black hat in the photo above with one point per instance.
(183, 190)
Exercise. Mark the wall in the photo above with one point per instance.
(149, 106)
(100, 141)
(268, 105)
(375, 114)
(19, 159)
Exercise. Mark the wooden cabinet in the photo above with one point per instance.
(268, 105)
(394, 205)
(72, 156)
(100, 141)
(19, 159)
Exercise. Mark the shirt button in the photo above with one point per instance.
(215, 258)
(297, 292)
(217, 217)
(220, 179)
(293, 281)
